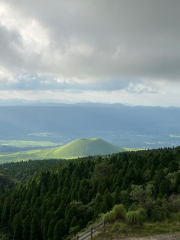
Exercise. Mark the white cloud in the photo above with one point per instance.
(90, 45)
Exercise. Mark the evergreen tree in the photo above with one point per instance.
(50, 232)
(26, 228)
(173, 167)
(116, 196)
(69, 216)
(164, 187)
(103, 208)
(178, 182)
(17, 227)
(108, 201)
(6, 210)
(59, 230)
(35, 228)
(59, 214)
(74, 222)
(81, 224)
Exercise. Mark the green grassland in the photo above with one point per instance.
(133, 149)
(19, 143)
(74, 149)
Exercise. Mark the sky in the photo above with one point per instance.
(125, 51)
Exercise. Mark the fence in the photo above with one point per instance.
(90, 232)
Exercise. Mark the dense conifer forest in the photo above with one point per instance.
(62, 198)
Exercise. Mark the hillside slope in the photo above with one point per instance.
(74, 149)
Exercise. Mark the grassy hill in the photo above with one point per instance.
(74, 149)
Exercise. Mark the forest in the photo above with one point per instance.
(55, 199)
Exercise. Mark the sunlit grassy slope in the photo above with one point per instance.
(21, 144)
(74, 149)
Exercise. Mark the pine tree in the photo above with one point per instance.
(116, 196)
(59, 214)
(178, 182)
(17, 227)
(108, 201)
(103, 208)
(81, 224)
(35, 228)
(99, 198)
(50, 232)
(45, 224)
(74, 222)
(173, 167)
(26, 228)
(164, 187)
(6, 210)
(59, 230)
(70, 214)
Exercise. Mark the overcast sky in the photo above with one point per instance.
(124, 51)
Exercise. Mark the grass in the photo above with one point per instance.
(19, 143)
(74, 149)
(121, 229)
(134, 149)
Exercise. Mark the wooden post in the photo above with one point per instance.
(77, 237)
(91, 233)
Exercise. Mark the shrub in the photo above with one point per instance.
(109, 217)
(131, 217)
(172, 204)
(119, 211)
(115, 227)
(122, 227)
(142, 214)
(136, 217)
(118, 227)
(133, 207)
(157, 212)
(175, 217)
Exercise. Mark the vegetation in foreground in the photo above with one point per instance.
(122, 223)
(74, 149)
(121, 229)
(58, 202)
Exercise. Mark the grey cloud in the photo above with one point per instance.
(10, 48)
(127, 39)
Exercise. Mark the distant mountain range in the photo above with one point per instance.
(125, 126)
(75, 149)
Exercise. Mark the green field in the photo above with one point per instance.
(134, 149)
(21, 144)
(74, 149)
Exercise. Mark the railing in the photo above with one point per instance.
(90, 232)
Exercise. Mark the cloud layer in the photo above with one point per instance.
(89, 45)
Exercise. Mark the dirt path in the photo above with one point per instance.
(172, 236)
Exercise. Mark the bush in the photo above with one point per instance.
(133, 207)
(172, 204)
(118, 212)
(131, 217)
(136, 217)
(142, 214)
(109, 217)
(118, 227)
(157, 212)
